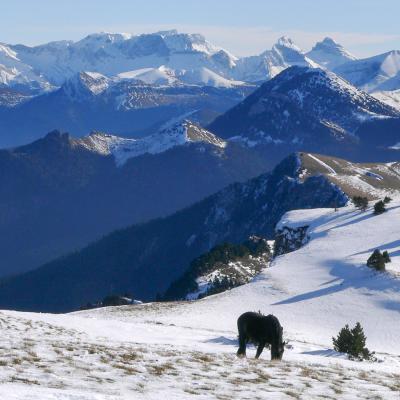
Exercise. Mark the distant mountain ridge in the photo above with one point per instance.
(92, 102)
(312, 109)
(170, 57)
(132, 84)
(165, 57)
(83, 188)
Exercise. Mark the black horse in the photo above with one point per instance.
(261, 330)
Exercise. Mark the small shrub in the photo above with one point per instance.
(387, 199)
(360, 202)
(352, 342)
(379, 207)
(377, 260)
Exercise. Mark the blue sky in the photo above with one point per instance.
(243, 27)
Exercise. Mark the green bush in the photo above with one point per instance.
(360, 202)
(352, 342)
(379, 207)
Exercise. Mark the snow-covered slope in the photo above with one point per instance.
(329, 54)
(166, 76)
(381, 72)
(16, 73)
(389, 97)
(185, 350)
(177, 134)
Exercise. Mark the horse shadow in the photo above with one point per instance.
(223, 340)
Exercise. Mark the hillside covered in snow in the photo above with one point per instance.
(187, 349)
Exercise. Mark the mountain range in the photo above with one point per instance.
(170, 57)
(133, 84)
(130, 108)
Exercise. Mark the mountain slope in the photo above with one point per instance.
(313, 110)
(392, 98)
(145, 259)
(371, 180)
(381, 72)
(15, 74)
(84, 188)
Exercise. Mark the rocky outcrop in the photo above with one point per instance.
(289, 239)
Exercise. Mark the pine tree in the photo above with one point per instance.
(387, 199)
(379, 207)
(342, 343)
(386, 257)
(358, 349)
(377, 260)
(352, 342)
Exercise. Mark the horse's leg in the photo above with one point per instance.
(260, 348)
(242, 346)
(273, 352)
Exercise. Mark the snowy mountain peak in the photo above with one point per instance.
(123, 149)
(287, 42)
(329, 96)
(102, 38)
(85, 84)
(170, 32)
(189, 132)
(329, 54)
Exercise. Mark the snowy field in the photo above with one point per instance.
(187, 350)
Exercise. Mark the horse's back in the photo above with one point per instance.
(257, 326)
